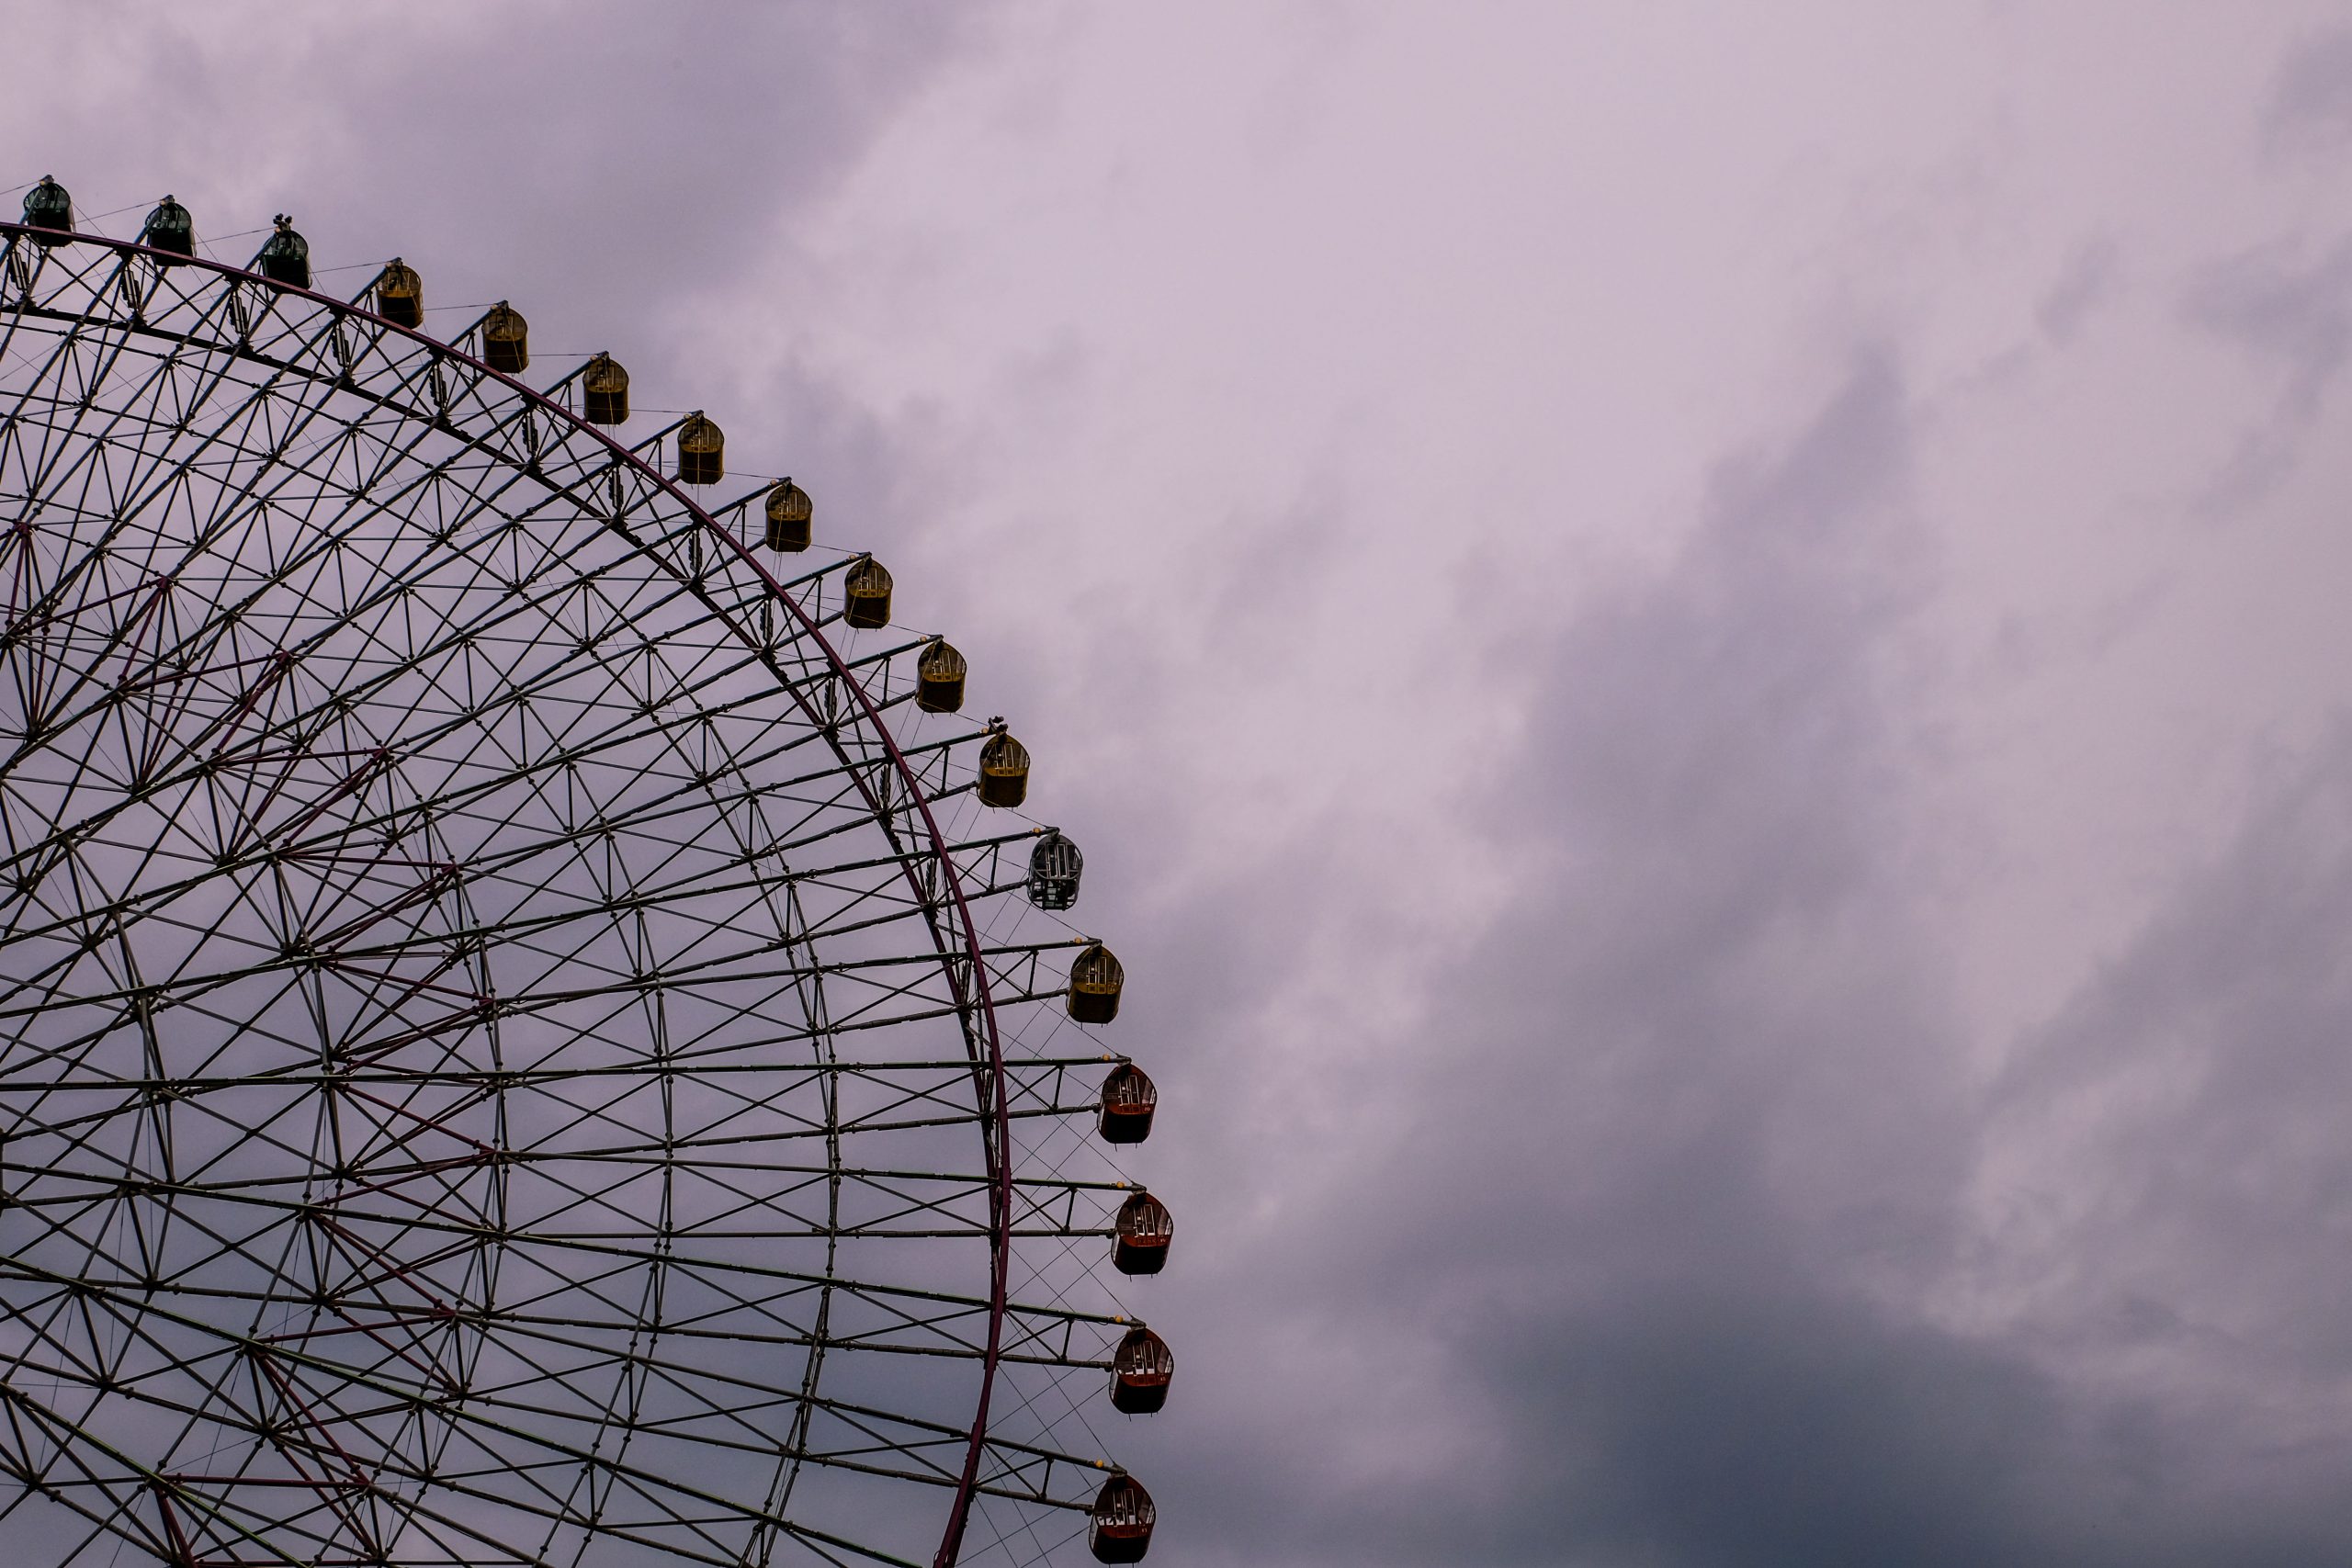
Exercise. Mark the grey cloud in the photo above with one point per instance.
(605, 167)
(1728, 1427)
(2089, 281)
(1693, 1146)
(598, 164)
(2278, 301)
(1737, 1427)
(1700, 1058)
(2310, 97)
(2193, 1098)
(2296, 314)
(661, 188)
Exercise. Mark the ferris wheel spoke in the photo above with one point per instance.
(708, 1397)
(1035, 1088)
(125, 500)
(397, 1378)
(327, 543)
(509, 461)
(252, 440)
(579, 1252)
(705, 1066)
(513, 774)
(957, 1333)
(247, 758)
(40, 1443)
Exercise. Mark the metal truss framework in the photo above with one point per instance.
(516, 1039)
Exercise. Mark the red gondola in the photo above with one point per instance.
(1145, 1226)
(1141, 1369)
(1128, 1100)
(1118, 1528)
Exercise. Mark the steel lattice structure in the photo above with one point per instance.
(518, 1043)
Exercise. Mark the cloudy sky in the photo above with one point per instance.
(1699, 653)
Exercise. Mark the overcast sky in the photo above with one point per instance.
(1700, 654)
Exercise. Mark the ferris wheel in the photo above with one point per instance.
(532, 1030)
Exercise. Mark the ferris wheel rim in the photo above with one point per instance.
(998, 1142)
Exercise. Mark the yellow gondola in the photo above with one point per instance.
(789, 509)
(399, 295)
(506, 340)
(938, 678)
(702, 452)
(1095, 982)
(868, 587)
(1004, 770)
(604, 391)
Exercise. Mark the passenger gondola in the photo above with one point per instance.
(399, 294)
(1144, 1228)
(1129, 1098)
(506, 340)
(789, 511)
(702, 451)
(1118, 1528)
(1004, 769)
(169, 229)
(1141, 1369)
(938, 678)
(1095, 981)
(604, 391)
(1055, 866)
(285, 256)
